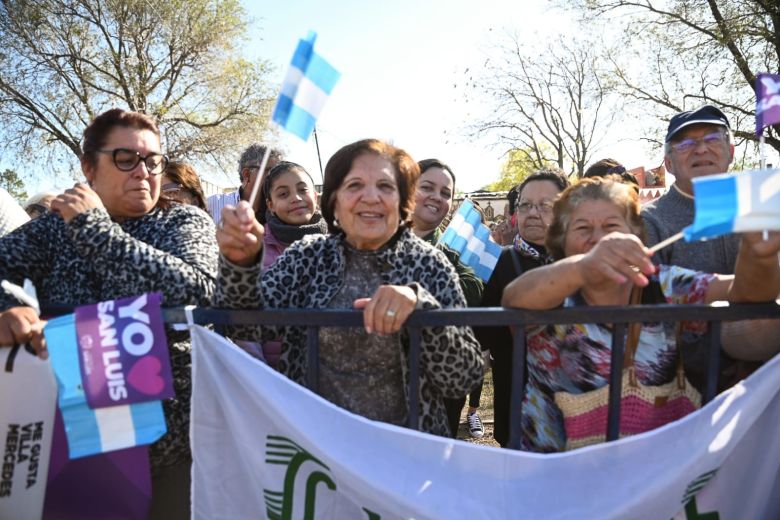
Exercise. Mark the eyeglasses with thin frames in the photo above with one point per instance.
(126, 160)
(710, 140)
(543, 207)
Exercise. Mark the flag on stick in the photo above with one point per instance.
(309, 81)
(307, 86)
(767, 101)
(467, 235)
(735, 203)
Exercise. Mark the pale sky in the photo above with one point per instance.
(400, 62)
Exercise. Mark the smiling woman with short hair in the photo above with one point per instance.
(370, 261)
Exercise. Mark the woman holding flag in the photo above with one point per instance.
(596, 237)
(370, 261)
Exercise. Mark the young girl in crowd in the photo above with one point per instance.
(289, 202)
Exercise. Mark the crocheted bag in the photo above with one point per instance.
(642, 407)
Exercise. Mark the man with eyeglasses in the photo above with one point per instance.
(699, 143)
(248, 170)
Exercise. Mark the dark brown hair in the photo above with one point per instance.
(610, 188)
(406, 174)
(554, 175)
(184, 174)
(425, 164)
(264, 195)
(608, 167)
(96, 134)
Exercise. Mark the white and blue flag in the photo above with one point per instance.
(99, 430)
(307, 86)
(735, 203)
(467, 235)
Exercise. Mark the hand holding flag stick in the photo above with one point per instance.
(309, 81)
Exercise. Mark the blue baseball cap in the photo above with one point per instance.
(707, 114)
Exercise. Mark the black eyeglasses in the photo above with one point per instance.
(126, 160)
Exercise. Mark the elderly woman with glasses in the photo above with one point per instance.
(533, 210)
(373, 262)
(108, 239)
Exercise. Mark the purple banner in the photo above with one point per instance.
(767, 101)
(115, 485)
(123, 352)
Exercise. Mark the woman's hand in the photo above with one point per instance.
(387, 310)
(616, 258)
(240, 235)
(74, 201)
(20, 325)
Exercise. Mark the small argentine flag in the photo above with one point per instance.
(467, 235)
(91, 431)
(310, 80)
(734, 203)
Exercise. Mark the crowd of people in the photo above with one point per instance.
(370, 241)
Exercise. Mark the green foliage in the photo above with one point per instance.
(517, 167)
(65, 61)
(10, 180)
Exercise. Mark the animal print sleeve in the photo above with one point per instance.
(450, 355)
(252, 288)
(25, 253)
(178, 255)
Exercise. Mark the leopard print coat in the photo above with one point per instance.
(309, 274)
(94, 259)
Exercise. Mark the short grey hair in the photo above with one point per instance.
(253, 154)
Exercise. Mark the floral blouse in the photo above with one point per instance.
(575, 358)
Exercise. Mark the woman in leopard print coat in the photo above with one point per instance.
(371, 261)
(111, 239)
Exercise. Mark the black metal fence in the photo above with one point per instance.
(517, 319)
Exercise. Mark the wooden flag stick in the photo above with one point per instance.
(669, 241)
(256, 185)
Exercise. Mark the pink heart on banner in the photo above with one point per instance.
(145, 376)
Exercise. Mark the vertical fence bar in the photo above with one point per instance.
(615, 381)
(313, 365)
(414, 377)
(712, 340)
(517, 392)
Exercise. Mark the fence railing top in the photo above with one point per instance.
(486, 316)
(491, 316)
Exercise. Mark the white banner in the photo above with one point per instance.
(28, 399)
(266, 447)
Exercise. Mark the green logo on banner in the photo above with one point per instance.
(689, 499)
(279, 504)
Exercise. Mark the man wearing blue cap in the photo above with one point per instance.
(698, 143)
